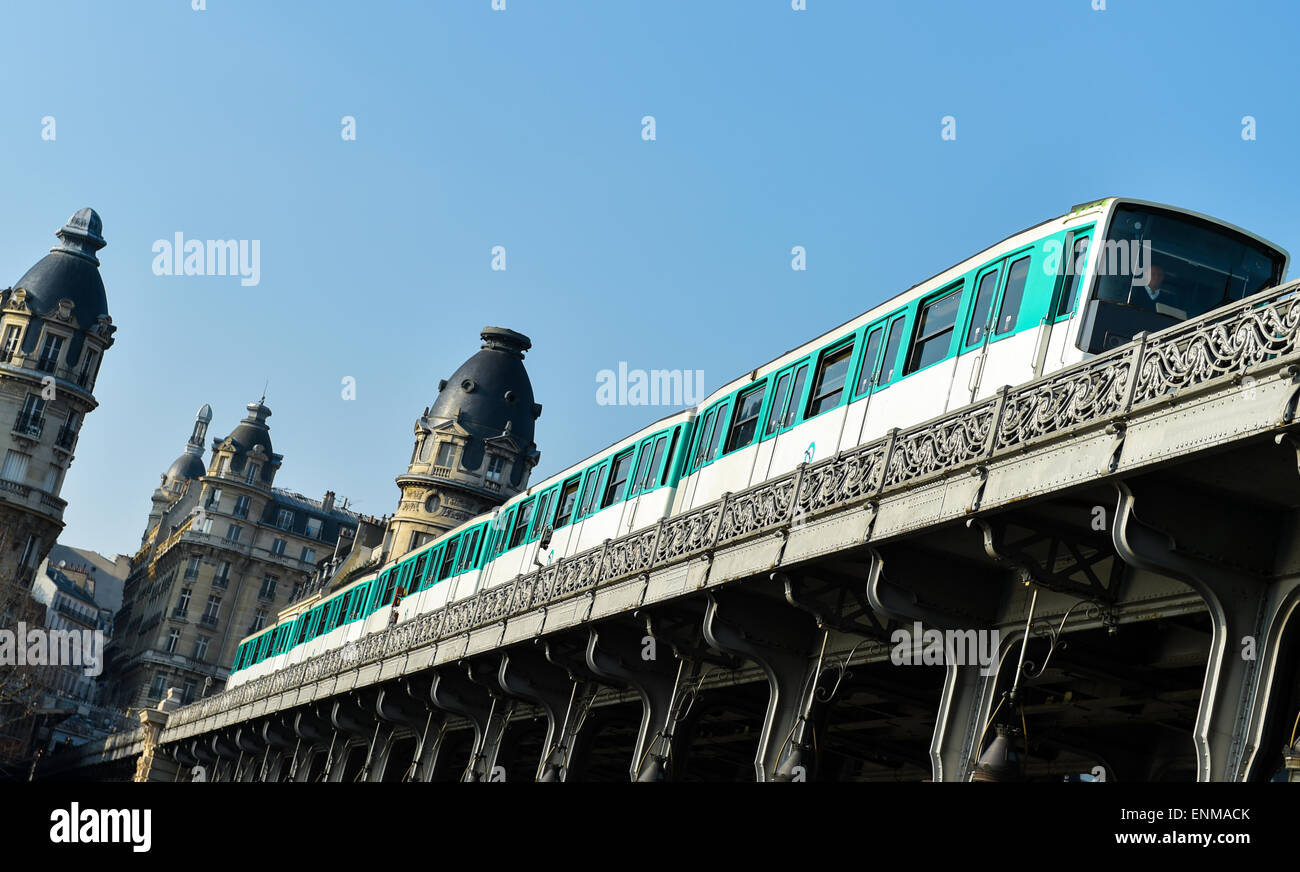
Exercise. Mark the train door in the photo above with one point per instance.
(1054, 348)
(971, 354)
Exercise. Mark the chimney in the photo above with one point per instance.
(328, 502)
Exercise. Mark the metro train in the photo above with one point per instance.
(1039, 300)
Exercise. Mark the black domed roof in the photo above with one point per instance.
(70, 271)
(187, 467)
(491, 390)
(252, 431)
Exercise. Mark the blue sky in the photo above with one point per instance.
(522, 128)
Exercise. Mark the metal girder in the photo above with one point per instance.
(616, 654)
(468, 695)
(1239, 607)
(780, 640)
(525, 675)
(1067, 567)
(834, 599)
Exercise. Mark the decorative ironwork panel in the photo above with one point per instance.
(1075, 396)
(1197, 351)
(951, 441)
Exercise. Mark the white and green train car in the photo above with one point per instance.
(1037, 301)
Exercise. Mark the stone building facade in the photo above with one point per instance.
(54, 330)
(224, 551)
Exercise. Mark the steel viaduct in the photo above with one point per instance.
(1128, 526)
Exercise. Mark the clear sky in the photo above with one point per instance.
(523, 128)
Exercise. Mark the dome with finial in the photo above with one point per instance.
(189, 466)
(490, 394)
(252, 437)
(70, 271)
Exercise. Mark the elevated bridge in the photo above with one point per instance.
(1127, 526)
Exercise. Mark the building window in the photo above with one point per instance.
(206, 526)
(192, 568)
(13, 336)
(183, 602)
(232, 534)
(159, 685)
(188, 695)
(313, 528)
(31, 420)
(173, 639)
(89, 366)
(308, 555)
(15, 468)
(67, 437)
(268, 587)
(241, 507)
(214, 499)
(446, 453)
(222, 578)
(50, 352)
(222, 465)
(432, 503)
(277, 547)
(201, 648)
(496, 463)
(51, 485)
(284, 519)
(259, 620)
(211, 611)
(252, 474)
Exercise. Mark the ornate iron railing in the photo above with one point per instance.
(1095, 392)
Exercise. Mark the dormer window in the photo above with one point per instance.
(252, 474)
(284, 520)
(50, 351)
(13, 335)
(496, 464)
(222, 465)
(446, 454)
(89, 369)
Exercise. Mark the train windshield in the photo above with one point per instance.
(1157, 268)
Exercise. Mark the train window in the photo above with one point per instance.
(706, 432)
(796, 394)
(542, 517)
(568, 497)
(647, 481)
(617, 479)
(934, 329)
(716, 439)
(672, 452)
(1012, 296)
(1074, 266)
(889, 362)
(867, 374)
(644, 464)
(778, 405)
(521, 523)
(748, 407)
(595, 483)
(468, 548)
(979, 318)
(448, 560)
(419, 571)
(828, 387)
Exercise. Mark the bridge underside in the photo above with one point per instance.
(1159, 648)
